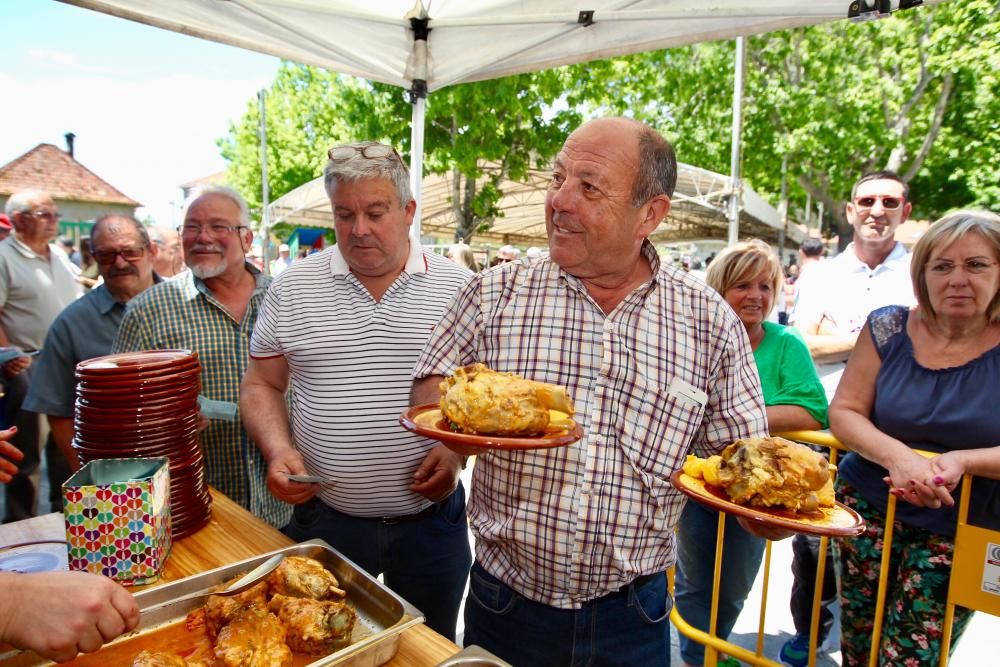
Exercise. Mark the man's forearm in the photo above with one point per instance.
(62, 433)
(265, 416)
(426, 390)
(826, 349)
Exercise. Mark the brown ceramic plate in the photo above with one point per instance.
(427, 420)
(836, 521)
(127, 362)
(181, 378)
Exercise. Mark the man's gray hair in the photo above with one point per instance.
(23, 200)
(358, 167)
(223, 191)
(109, 218)
(657, 174)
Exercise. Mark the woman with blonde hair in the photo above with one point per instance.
(925, 378)
(461, 254)
(749, 277)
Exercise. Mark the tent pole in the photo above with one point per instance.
(417, 95)
(417, 159)
(734, 168)
(265, 223)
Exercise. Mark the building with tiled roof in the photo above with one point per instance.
(80, 194)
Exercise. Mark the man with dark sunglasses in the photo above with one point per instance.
(834, 299)
(37, 281)
(87, 327)
(872, 271)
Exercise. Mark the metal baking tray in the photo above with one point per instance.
(380, 610)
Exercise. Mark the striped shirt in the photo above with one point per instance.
(350, 362)
(567, 525)
(183, 313)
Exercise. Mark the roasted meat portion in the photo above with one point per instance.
(314, 626)
(221, 609)
(478, 400)
(255, 638)
(158, 659)
(301, 577)
(774, 472)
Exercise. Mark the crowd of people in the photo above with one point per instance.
(309, 371)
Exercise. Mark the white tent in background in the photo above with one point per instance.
(425, 45)
(698, 210)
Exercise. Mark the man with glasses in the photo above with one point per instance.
(212, 310)
(87, 327)
(37, 281)
(834, 298)
(343, 327)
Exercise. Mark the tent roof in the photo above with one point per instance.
(698, 209)
(470, 40)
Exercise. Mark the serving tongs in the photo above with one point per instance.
(243, 583)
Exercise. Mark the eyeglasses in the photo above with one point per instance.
(888, 203)
(368, 151)
(944, 267)
(108, 257)
(51, 216)
(215, 231)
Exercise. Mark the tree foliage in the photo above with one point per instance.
(916, 93)
(506, 122)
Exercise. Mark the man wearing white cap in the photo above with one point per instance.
(283, 260)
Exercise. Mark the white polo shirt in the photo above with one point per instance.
(842, 291)
(350, 360)
(33, 291)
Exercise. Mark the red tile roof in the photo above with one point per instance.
(50, 168)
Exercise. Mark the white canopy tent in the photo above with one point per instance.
(698, 210)
(425, 45)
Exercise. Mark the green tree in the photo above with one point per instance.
(506, 124)
(915, 93)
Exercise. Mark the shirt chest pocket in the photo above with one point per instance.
(657, 431)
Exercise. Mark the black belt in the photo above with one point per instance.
(637, 583)
(428, 511)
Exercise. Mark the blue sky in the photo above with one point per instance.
(147, 105)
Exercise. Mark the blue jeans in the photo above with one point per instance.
(741, 557)
(425, 561)
(625, 628)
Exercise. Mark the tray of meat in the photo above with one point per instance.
(316, 608)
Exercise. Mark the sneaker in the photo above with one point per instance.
(795, 652)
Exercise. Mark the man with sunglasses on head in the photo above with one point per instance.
(343, 328)
(37, 281)
(212, 310)
(834, 298)
(87, 328)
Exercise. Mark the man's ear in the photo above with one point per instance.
(656, 209)
(410, 210)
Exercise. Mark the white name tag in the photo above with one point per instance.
(687, 393)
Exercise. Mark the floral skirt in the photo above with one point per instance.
(919, 570)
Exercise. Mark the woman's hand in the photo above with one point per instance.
(911, 478)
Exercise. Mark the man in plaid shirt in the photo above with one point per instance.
(572, 542)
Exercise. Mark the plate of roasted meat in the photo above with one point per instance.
(775, 481)
(482, 408)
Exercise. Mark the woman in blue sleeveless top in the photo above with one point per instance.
(921, 379)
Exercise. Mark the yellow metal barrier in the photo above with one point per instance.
(965, 589)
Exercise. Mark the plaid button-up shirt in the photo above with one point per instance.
(567, 525)
(183, 313)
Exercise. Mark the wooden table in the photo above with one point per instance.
(233, 535)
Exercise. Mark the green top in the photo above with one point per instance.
(787, 373)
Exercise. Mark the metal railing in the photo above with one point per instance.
(964, 589)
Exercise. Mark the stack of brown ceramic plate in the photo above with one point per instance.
(145, 404)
